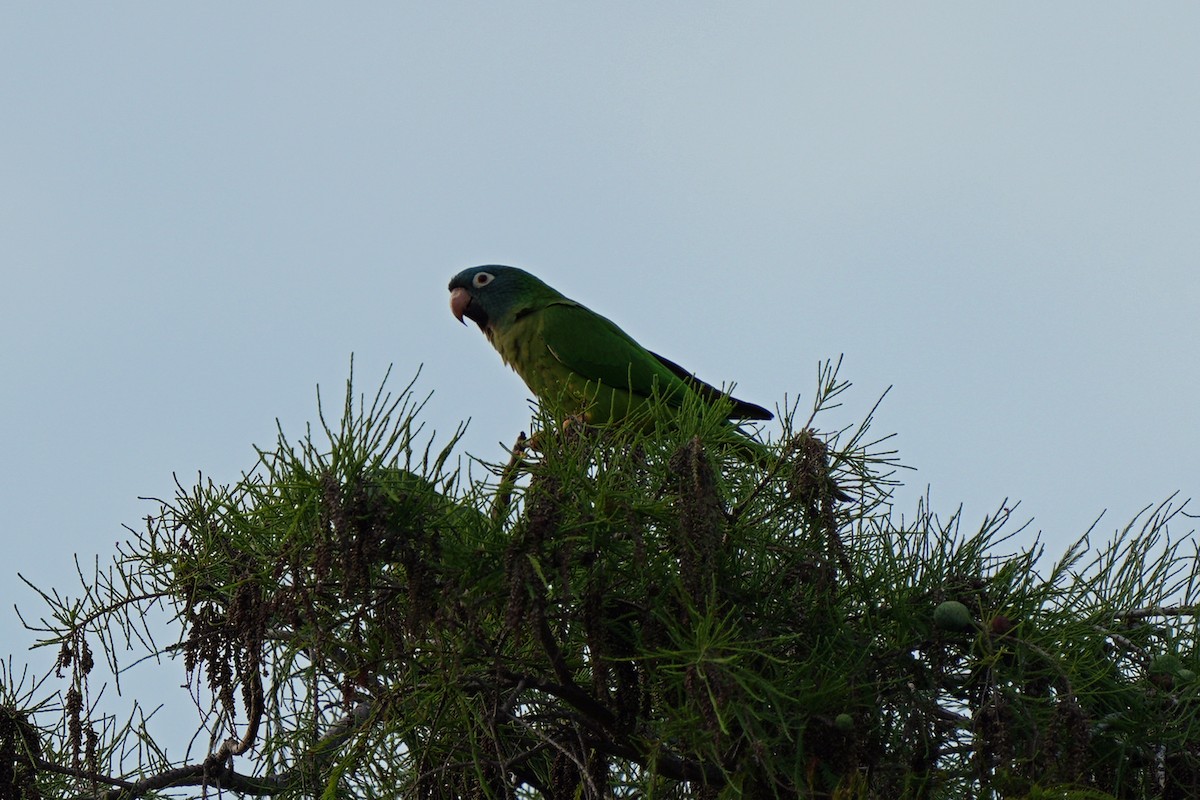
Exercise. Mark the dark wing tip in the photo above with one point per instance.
(741, 409)
(744, 410)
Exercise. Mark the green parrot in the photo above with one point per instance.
(570, 356)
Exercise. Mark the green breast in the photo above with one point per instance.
(523, 347)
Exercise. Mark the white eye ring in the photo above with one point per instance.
(482, 279)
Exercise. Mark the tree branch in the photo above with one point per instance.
(214, 771)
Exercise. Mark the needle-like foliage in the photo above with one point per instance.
(626, 611)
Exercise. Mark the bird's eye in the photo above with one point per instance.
(482, 279)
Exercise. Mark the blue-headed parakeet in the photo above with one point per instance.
(568, 355)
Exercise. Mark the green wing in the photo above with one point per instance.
(595, 349)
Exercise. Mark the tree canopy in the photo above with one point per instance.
(623, 611)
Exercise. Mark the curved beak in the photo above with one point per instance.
(459, 300)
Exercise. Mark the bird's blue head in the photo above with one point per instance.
(494, 294)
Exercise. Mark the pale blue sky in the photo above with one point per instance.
(207, 208)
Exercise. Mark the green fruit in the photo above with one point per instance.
(1185, 676)
(952, 616)
(1166, 664)
(844, 723)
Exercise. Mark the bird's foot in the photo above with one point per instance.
(570, 429)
